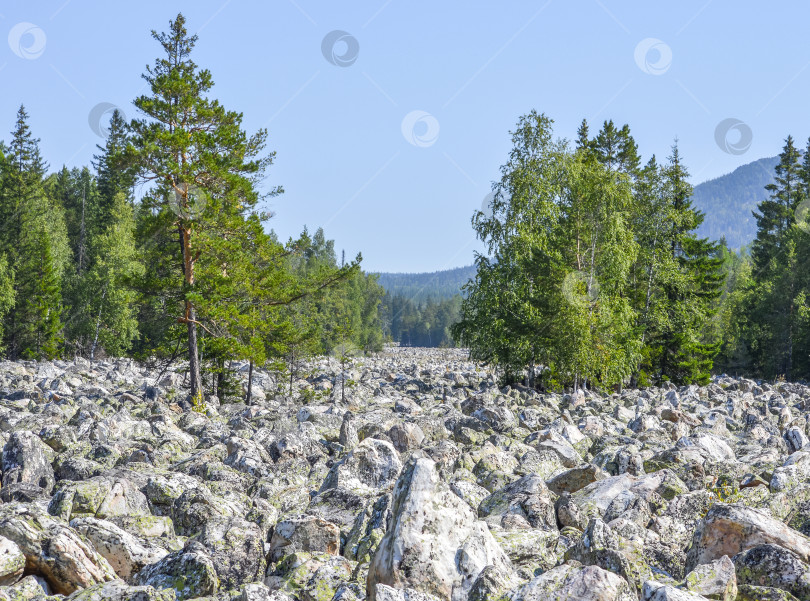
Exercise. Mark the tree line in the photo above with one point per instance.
(410, 322)
(187, 270)
(593, 273)
(765, 317)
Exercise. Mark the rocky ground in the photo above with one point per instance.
(428, 482)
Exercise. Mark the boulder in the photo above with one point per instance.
(124, 552)
(729, 529)
(190, 572)
(26, 461)
(308, 534)
(773, 566)
(54, 550)
(434, 543)
(568, 582)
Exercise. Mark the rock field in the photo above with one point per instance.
(429, 482)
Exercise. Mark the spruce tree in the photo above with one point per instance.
(775, 214)
(114, 175)
(35, 243)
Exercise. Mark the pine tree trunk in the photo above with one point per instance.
(193, 355)
(191, 315)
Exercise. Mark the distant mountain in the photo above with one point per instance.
(729, 200)
(422, 286)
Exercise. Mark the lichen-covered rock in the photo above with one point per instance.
(600, 546)
(371, 467)
(124, 552)
(575, 479)
(54, 550)
(434, 543)
(100, 497)
(258, 591)
(309, 576)
(589, 583)
(120, 591)
(655, 591)
(384, 592)
(12, 562)
(715, 580)
(190, 572)
(773, 566)
(26, 589)
(26, 461)
(527, 498)
(236, 549)
(308, 534)
(749, 592)
(729, 529)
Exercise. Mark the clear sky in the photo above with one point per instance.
(390, 133)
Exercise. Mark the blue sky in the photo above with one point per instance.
(391, 138)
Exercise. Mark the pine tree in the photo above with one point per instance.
(616, 149)
(775, 214)
(204, 168)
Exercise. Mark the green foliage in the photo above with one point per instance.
(6, 293)
(188, 268)
(427, 323)
(34, 242)
(593, 271)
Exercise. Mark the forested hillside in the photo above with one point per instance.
(419, 308)
(419, 287)
(728, 202)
